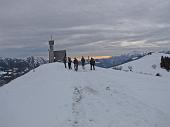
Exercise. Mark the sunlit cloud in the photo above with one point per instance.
(133, 43)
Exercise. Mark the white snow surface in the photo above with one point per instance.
(53, 96)
(2, 72)
(144, 65)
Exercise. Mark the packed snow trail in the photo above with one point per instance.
(56, 97)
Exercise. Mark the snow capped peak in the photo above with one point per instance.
(53, 96)
(136, 53)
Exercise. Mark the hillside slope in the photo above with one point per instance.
(149, 65)
(56, 97)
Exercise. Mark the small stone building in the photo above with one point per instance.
(55, 56)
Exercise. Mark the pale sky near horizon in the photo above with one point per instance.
(83, 27)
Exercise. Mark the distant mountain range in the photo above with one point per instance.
(118, 60)
(11, 68)
(165, 52)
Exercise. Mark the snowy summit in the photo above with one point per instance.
(53, 96)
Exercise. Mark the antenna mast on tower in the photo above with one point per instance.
(51, 37)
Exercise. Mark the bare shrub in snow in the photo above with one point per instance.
(130, 68)
(154, 66)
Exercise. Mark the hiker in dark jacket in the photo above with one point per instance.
(92, 64)
(83, 62)
(65, 61)
(75, 64)
(69, 63)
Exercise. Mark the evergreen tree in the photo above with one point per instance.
(165, 63)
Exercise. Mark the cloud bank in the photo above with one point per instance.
(90, 27)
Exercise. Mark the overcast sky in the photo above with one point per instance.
(83, 27)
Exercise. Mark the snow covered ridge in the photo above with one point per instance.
(53, 96)
(118, 60)
(11, 68)
(149, 65)
(7, 62)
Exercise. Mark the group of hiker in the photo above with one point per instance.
(76, 63)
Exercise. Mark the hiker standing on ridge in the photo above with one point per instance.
(75, 64)
(92, 64)
(83, 62)
(65, 61)
(69, 63)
